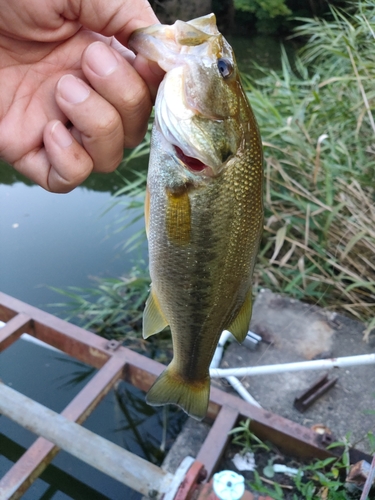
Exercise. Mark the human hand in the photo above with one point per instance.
(65, 62)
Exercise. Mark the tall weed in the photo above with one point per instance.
(319, 138)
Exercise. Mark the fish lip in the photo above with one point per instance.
(165, 43)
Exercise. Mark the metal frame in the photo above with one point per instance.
(115, 362)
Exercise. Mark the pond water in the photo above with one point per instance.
(49, 240)
(60, 240)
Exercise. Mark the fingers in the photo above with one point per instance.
(97, 124)
(107, 116)
(111, 115)
(115, 18)
(116, 80)
(70, 165)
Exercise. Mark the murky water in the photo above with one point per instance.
(64, 240)
(59, 240)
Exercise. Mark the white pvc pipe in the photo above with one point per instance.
(320, 364)
(234, 382)
(129, 469)
(242, 391)
(224, 337)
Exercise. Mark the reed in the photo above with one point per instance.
(319, 141)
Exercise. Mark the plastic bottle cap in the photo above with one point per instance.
(229, 485)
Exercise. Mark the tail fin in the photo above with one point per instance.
(170, 388)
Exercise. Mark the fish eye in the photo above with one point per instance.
(225, 67)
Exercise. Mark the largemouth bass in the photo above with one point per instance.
(203, 209)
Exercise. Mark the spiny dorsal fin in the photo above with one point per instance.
(240, 325)
(153, 318)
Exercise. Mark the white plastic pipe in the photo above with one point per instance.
(320, 364)
(224, 337)
(242, 391)
(234, 382)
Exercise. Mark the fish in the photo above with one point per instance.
(203, 205)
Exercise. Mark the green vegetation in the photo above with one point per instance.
(273, 16)
(268, 15)
(318, 131)
(313, 481)
(245, 439)
(113, 309)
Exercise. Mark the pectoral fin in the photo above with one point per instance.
(153, 318)
(240, 325)
(178, 217)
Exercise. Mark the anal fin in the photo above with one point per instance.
(154, 320)
(240, 325)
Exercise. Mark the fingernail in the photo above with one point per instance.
(61, 135)
(73, 89)
(101, 59)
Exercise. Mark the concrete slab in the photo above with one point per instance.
(296, 332)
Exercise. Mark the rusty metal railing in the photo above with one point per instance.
(115, 362)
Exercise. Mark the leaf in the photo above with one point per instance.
(268, 470)
(352, 242)
(280, 238)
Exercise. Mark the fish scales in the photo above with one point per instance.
(204, 216)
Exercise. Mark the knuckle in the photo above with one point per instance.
(136, 98)
(106, 125)
(59, 184)
(107, 164)
(132, 141)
